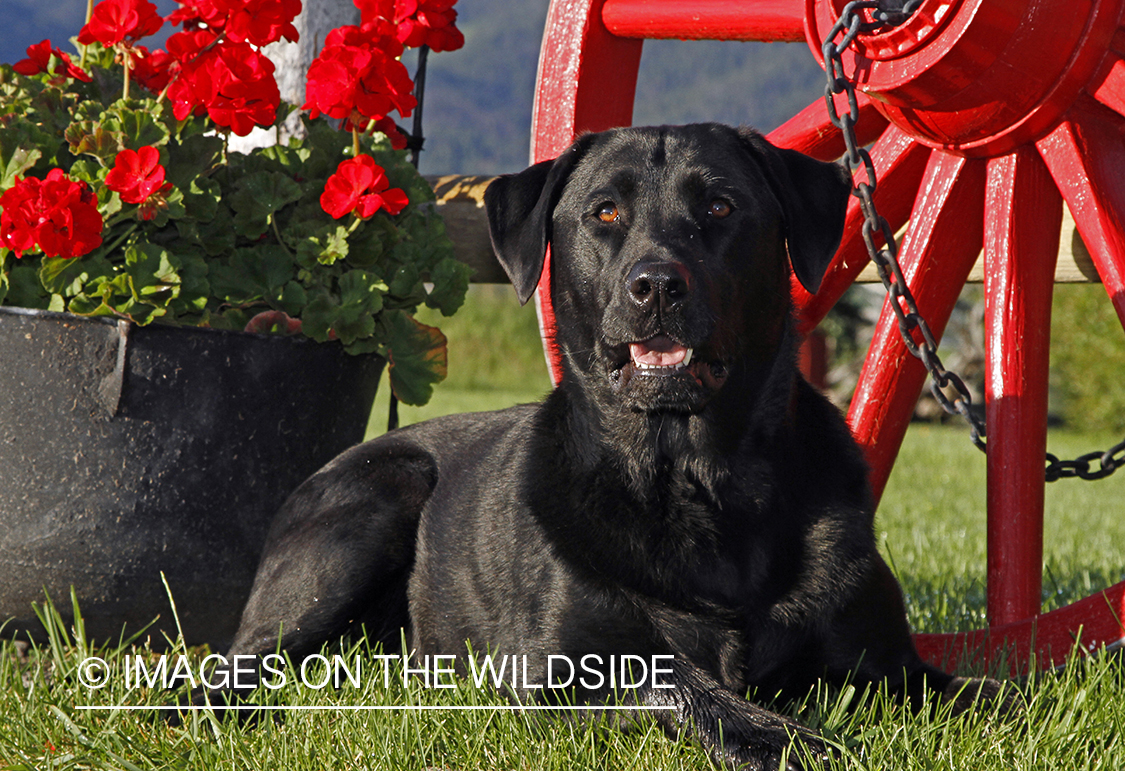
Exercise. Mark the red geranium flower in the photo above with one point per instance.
(152, 68)
(428, 22)
(120, 21)
(195, 13)
(262, 22)
(57, 214)
(417, 22)
(259, 22)
(39, 60)
(358, 75)
(136, 175)
(232, 82)
(361, 185)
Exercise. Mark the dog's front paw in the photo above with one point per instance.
(976, 693)
(792, 748)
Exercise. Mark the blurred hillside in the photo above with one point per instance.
(478, 99)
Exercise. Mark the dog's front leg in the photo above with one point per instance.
(337, 558)
(736, 732)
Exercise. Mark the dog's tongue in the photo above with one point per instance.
(659, 351)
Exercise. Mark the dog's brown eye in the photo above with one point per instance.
(720, 208)
(607, 212)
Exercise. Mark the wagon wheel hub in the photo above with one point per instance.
(978, 78)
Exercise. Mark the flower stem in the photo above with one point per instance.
(89, 15)
(280, 240)
(127, 60)
(355, 142)
(120, 239)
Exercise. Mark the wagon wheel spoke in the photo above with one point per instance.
(1086, 157)
(1023, 217)
(941, 245)
(1108, 86)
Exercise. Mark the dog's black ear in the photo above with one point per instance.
(814, 199)
(519, 208)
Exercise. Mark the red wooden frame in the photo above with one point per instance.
(966, 175)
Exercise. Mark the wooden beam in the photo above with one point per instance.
(460, 200)
(461, 203)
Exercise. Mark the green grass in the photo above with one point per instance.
(930, 525)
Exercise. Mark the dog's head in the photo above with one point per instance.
(669, 245)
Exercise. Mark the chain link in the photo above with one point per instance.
(916, 333)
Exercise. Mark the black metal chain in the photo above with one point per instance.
(850, 24)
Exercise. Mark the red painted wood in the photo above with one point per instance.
(940, 247)
(1109, 86)
(1090, 624)
(899, 162)
(587, 77)
(1086, 157)
(812, 133)
(1023, 215)
(763, 20)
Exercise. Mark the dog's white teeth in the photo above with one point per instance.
(664, 367)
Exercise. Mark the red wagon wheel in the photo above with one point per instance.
(985, 116)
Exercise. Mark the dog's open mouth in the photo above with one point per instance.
(666, 369)
(659, 356)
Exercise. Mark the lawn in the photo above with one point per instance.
(930, 526)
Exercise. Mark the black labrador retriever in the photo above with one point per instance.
(683, 501)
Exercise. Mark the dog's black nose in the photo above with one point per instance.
(663, 284)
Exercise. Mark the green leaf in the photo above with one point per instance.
(450, 280)
(321, 247)
(372, 241)
(335, 246)
(253, 274)
(94, 139)
(190, 159)
(405, 281)
(85, 305)
(293, 299)
(257, 197)
(218, 236)
(416, 356)
(201, 199)
(101, 296)
(140, 126)
(319, 316)
(361, 297)
(68, 277)
(153, 274)
(14, 160)
(24, 289)
(195, 289)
